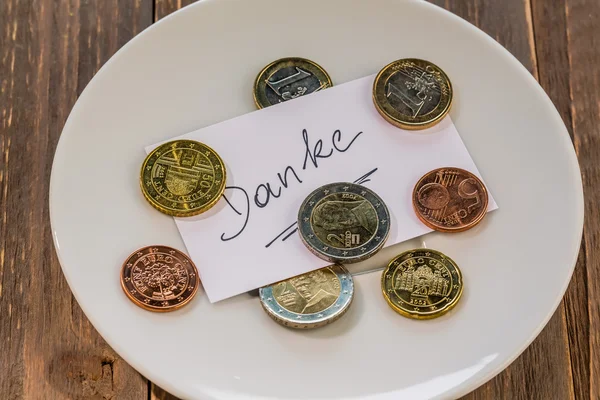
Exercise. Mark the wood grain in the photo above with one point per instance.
(166, 7)
(583, 34)
(50, 49)
(567, 33)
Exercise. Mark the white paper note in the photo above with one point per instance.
(276, 156)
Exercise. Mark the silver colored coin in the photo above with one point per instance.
(287, 79)
(311, 300)
(343, 222)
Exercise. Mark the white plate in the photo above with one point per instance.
(196, 68)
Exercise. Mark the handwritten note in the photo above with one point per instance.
(276, 156)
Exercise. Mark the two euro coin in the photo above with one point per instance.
(343, 222)
(310, 300)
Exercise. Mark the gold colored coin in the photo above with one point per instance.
(422, 284)
(159, 278)
(412, 93)
(310, 300)
(287, 79)
(183, 178)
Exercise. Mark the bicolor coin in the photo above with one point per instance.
(343, 222)
(311, 300)
(287, 79)
(412, 93)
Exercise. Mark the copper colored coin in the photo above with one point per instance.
(450, 199)
(159, 278)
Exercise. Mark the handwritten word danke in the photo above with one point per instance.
(264, 193)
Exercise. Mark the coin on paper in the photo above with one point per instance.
(343, 222)
(159, 278)
(450, 199)
(288, 78)
(412, 93)
(183, 178)
(311, 300)
(422, 284)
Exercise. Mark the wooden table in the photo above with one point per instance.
(50, 49)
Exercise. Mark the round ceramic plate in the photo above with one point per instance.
(196, 68)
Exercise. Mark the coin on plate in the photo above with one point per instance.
(311, 300)
(183, 178)
(450, 199)
(159, 278)
(422, 284)
(343, 222)
(412, 93)
(287, 79)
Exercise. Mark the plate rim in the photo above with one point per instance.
(468, 385)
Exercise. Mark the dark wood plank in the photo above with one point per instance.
(543, 371)
(157, 393)
(165, 7)
(48, 52)
(583, 33)
(568, 46)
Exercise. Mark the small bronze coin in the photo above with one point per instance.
(450, 199)
(412, 93)
(183, 178)
(311, 300)
(343, 222)
(287, 79)
(159, 278)
(422, 284)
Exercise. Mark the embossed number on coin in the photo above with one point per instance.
(450, 200)
(422, 284)
(343, 222)
(412, 93)
(159, 278)
(287, 79)
(183, 178)
(310, 300)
